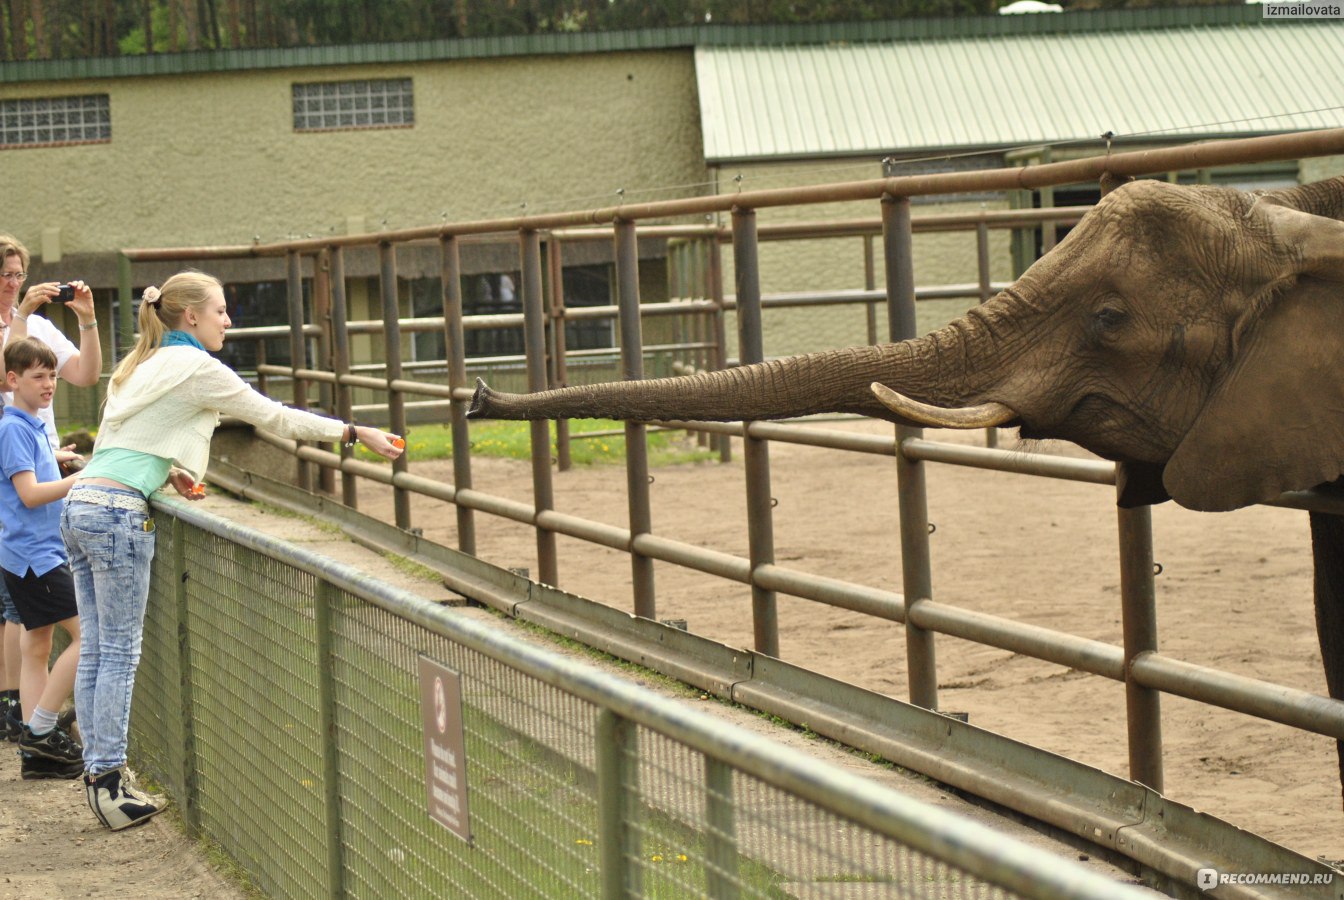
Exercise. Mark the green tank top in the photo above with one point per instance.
(143, 471)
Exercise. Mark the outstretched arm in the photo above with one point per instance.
(219, 387)
(36, 493)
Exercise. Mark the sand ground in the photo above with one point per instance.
(1234, 593)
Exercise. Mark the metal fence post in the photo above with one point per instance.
(1048, 231)
(1138, 613)
(534, 341)
(125, 327)
(618, 840)
(454, 339)
(340, 363)
(720, 331)
(325, 597)
(559, 362)
(870, 283)
(396, 404)
(191, 812)
(700, 322)
(982, 268)
(755, 452)
(1138, 605)
(917, 580)
(721, 876)
(262, 380)
(298, 352)
(636, 444)
(322, 318)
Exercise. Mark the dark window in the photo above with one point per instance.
(497, 293)
(427, 302)
(589, 286)
(252, 306)
(491, 295)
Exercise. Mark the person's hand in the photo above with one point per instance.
(69, 461)
(82, 305)
(39, 295)
(185, 485)
(388, 445)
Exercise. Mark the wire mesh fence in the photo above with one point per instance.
(279, 701)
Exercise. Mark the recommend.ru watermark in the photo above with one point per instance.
(1208, 879)
(1291, 10)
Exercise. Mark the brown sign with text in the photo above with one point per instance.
(445, 747)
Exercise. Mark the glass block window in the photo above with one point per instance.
(385, 103)
(38, 121)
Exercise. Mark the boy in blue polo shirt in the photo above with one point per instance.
(33, 559)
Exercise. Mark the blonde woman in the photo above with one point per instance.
(163, 404)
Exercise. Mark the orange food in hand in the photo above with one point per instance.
(399, 443)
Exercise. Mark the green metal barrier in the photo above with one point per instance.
(278, 702)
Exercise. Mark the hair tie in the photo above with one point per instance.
(152, 297)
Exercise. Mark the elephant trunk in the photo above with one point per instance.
(774, 389)
(945, 368)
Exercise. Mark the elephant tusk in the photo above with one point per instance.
(986, 415)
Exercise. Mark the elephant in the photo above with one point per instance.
(1194, 333)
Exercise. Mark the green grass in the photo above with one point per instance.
(513, 440)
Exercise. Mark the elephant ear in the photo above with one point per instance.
(1276, 421)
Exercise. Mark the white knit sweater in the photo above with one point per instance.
(171, 403)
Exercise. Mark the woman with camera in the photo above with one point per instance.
(80, 365)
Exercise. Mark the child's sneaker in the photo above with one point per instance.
(36, 768)
(55, 744)
(116, 803)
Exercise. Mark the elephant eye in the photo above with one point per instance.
(1109, 318)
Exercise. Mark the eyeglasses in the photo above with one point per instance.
(19, 277)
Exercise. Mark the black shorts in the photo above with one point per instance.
(43, 599)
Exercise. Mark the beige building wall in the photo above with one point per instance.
(214, 158)
(1320, 168)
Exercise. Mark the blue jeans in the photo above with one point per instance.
(110, 556)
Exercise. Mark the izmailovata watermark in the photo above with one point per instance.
(1208, 879)
(1301, 9)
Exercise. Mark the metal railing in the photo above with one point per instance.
(1137, 663)
(278, 701)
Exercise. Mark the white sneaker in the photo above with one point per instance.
(118, 804)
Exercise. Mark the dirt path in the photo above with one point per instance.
(1234, 593)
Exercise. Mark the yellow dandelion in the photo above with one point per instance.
(657, 857)
(681, 857)
(585, 842)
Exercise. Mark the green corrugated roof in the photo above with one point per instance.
(1012, 89)
(606, 42)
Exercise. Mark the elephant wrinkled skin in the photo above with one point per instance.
(1195, 333)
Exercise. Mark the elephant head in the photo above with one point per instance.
(1194, 332)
